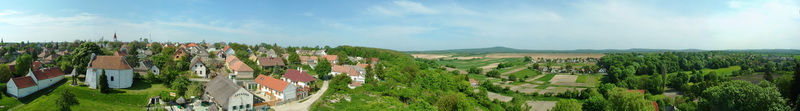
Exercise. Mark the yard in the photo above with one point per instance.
(134, 98)
(526, 72)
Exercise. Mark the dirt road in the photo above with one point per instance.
(305, 105)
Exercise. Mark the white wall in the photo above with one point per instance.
(243, 74)
(199, 69)
(11, 88)
(122, 78)
(290, 92)
(241, 98)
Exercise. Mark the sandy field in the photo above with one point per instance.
(489, 67)
(429, 56)
(565, 80)
(541, 105)
(542, 55)
(493, 96)
(525, 88)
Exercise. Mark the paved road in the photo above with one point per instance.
(305, 105)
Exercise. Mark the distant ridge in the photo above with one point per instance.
(501, 49)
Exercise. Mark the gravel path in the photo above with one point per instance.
(305, 105)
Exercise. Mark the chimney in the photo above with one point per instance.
(91, 59)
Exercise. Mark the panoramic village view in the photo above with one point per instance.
(593, 55)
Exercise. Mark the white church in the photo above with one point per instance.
(118, 73)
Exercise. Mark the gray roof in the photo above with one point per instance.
(221, 88)
(195, 60)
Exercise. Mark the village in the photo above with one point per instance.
(201, 76)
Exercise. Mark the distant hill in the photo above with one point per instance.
(500, 49)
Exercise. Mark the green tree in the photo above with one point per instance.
(180, 84)
(194, 89)
(527, 59)
(596, 103)
(5, 73)
(493, 73)
(623, 100)
(340, 82)
(452, 102)
(742, 96)
(103, 82)
(769, 70)
(156, 48)
(323, 68)
(795, 90)
(23, 65)
(65, 99)
(294, 58)
(567, 105)
(81, 56)
(475, 70)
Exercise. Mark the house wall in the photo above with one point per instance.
(242, 74)
(241, 100)
(199, 69)
(122, 78)
(11, 88)
(289, 93)
(49, 82)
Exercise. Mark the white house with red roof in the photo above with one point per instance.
(225, 52)
(34, 81)
(356, 73)
(238, 68)
(119, 74)
(298, 78)
(275, 89)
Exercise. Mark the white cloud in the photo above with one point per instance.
(402, 8)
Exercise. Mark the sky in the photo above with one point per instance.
(408, 25)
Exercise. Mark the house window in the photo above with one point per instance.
(234, 107)
(112, 78)
(248, 106)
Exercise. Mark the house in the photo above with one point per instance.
(225, 52)
(275, 89)
(356, 73)
(226, 95)
(147, 66)
(331, 58)
(179, 53)
(239, 68)
(309, 60)
(602, 70)
(118, 72)
(198, 67)
(474, 82)
(266, 62)
(299, 79)
(120, 53)
(35, 80)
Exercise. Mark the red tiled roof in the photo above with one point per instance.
(109, 62)
(120, 53)
(191, 45)
(36, 65)
(355, 84)
(374, 59)
(362, 65)
(296, 75)
(473, 81)
(270, 61)
(231, 59)
(638, 91)
(24, 82)
(331, 57)
(240, 66)
(345, 69)
(272, 83)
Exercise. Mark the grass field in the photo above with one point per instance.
(546, 77)
(525, 72)
(481, 78)
(591, 80)
(7, 102)
(724, 71)
(131, 99)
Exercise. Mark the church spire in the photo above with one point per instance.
(115, 36)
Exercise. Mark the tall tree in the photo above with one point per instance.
(742, 96)
(322, 68)
(103, 82)
(769, 70)
(795, 90)
(5, 73)
(596, 103)
(81, 56)
(567, 105)
(65, 99)
(23, 65)
(623, 100)
(294, 58)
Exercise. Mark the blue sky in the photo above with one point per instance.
(418, 25)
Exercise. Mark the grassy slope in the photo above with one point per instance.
(7, 102)
(133, 98)
(546, 77)
(525, 72)
(724, 71)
